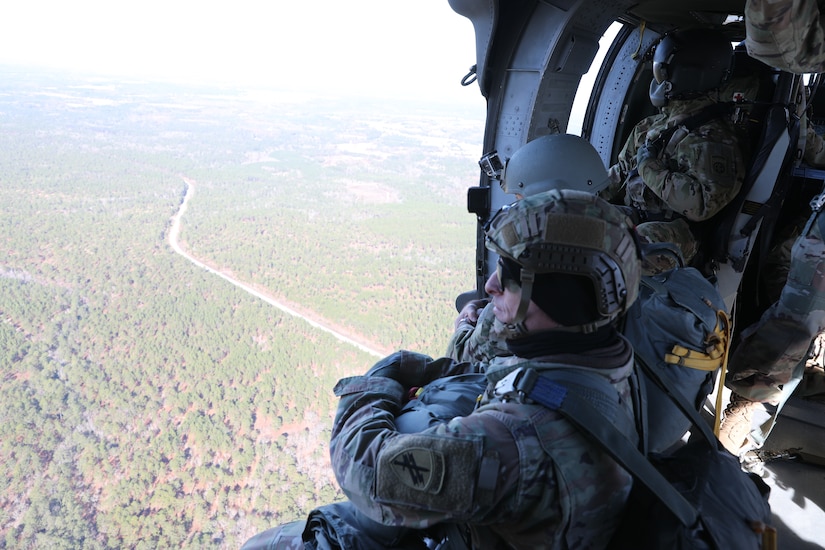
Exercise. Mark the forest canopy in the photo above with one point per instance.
(146, 402)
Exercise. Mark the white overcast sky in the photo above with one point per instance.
(385, 46)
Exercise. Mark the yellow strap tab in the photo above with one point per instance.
(712, 358)
(642, 26)
(768, 532)
(769, 538)
(702, 362)
(723, 320)
(718, 347)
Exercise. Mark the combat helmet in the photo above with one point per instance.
(572, 232)
(555, 161)
(688, 63)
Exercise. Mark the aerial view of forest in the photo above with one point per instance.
(146, 402)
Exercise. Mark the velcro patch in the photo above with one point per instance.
(434, 473)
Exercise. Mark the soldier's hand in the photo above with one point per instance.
(469, 313)
(409, 368)
(651, 150)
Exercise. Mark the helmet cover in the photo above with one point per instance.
(571, 232)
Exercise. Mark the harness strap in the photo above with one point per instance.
(577, 407)
(776, 122)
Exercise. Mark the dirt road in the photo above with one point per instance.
(314, 321)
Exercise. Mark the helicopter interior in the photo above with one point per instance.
(532, 60)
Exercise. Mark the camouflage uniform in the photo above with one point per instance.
(490, 472)
(697, 174)
(786, 34)
(771, 350)
(513, 473)
(488, 469)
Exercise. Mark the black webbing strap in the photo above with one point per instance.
(556, 393)
(666, 385)
(776, 122)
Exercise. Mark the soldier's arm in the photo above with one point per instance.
(701, 178)
(786, 34)
(626, 161)
(446, 473)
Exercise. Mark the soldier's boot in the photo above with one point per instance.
(736, 423)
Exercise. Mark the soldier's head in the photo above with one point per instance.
(568, 261)
(555, 161)
(689, 63)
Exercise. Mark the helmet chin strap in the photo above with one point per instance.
(527, 279)
(516, 328)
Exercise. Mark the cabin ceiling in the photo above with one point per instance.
(663, 15)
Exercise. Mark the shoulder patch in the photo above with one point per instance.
(429, 472)
(418, 468)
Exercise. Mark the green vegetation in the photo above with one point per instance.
(147, 403)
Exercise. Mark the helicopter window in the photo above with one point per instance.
(574, 125)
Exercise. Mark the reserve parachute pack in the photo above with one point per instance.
(679, 327)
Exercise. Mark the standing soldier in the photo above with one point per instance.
(786, 34)
(769, 361)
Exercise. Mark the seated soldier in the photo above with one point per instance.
(686, 308)
(498, 480)
(683, 165)
(769, 361)
(510, 472)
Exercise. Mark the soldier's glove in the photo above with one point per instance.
(651, 150)
(410, 369)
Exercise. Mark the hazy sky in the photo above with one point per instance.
(420, 46)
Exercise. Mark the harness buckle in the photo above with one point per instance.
(818, 202)
(516, 385)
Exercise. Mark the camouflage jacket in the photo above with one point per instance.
(786, 34)
(488, 470)
(698, 173)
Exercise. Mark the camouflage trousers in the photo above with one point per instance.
(771, 351)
